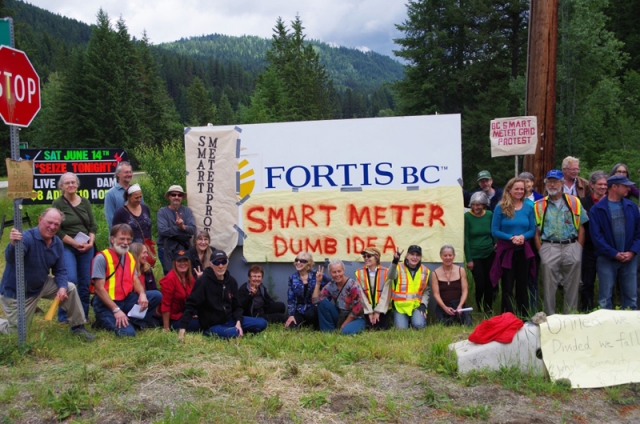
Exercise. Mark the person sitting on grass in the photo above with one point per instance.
(255, 299)
(339, 302)
(214, 299)
(450, 289)
(118, 288)
(43, 252)
(176, 288)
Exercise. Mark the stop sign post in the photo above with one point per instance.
(19, 88)
(19, 104)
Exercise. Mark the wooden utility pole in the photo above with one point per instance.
(541, 85)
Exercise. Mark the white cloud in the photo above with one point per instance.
(349, 23)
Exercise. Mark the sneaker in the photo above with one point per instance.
(83, 332)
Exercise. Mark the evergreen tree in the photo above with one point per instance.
(201, 110)
(294, 86)
(225, 112)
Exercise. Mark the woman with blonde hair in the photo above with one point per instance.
(145, 273)
(300, 307)
(513, 225)
(200, 252)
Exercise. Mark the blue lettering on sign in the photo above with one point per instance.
(349, 174)
(409, 174)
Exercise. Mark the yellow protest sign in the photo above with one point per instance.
(600, 349)
(280, 224)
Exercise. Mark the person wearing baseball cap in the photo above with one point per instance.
(376, 284)
(410, 291)
(560, 219)
(615, 231)
(176, 226)
(494, 194)
(176, 288)
(214, 300)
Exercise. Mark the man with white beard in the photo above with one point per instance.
(559, 238)
(118, 288)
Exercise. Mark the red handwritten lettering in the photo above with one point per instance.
(436, 214)
(262, 225)
(352, 215)
(327, 209)
(389, 245)
(397, 211)
(277, 214)
(417, 213)
(307, 212)
(291, 216)
(380, 216)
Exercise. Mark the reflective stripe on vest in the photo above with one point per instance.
(118, 288)
(362, 275)
(407, 291)
(540, 209)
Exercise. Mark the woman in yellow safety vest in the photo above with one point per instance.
(376, 283)
(410, 294)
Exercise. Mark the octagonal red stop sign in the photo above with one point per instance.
(19, 88)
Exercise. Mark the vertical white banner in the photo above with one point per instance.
(212, 169)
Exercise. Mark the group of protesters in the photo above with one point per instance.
(514, 239)
(521, 240)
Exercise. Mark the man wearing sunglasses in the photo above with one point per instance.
(176, 226)
(214, 299)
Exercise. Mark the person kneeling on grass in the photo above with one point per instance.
(214, 299)
(339, 302)
(118, 289)
(43, 252)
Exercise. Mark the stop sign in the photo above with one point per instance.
(19, 88)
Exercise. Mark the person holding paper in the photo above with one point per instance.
(450, 290)
(77, 232)
(43, 254)
(118, 289)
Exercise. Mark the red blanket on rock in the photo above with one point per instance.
(501, 328)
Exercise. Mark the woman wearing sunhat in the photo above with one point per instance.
(176, 225)
(375, 281)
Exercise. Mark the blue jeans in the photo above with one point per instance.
(78, 266)
(401, 321)
(328, 315)
(608, 270)
(194, 325)
(105, 318)
(228, 330)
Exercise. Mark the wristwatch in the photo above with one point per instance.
(115, 310)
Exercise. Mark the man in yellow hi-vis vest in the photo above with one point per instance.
(559, 239)
(118, 288)
(410, 291)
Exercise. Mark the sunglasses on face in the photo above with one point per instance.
(175, 194)
(367, 255)
(302, 261)
(220, 262)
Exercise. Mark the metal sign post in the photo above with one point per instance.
(17, 216)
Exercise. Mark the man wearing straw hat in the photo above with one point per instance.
(43, 252)
(176, 225)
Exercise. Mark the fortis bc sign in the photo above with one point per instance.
(19, 88)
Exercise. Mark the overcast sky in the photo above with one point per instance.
(363, 24)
